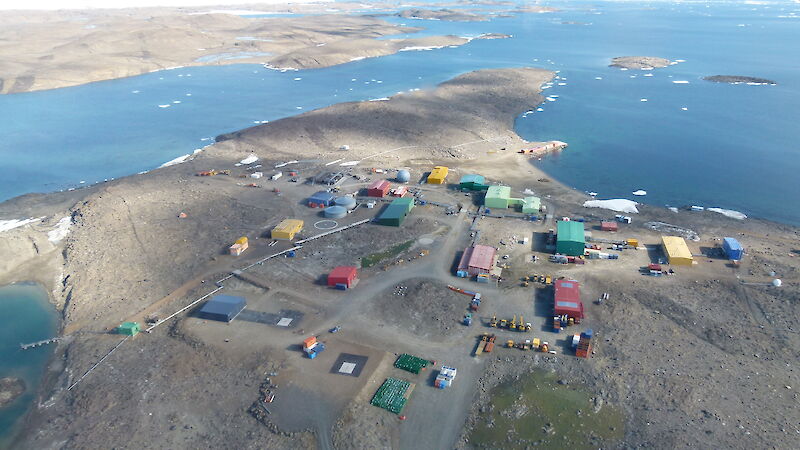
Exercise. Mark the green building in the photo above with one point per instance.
(129, 328)
(473, 182)
(531, 205)
(396, 212)
(571, 238)
(500, 197)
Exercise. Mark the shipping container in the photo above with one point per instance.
(733, 249)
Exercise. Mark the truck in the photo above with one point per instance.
(489, 344)
(481, 343)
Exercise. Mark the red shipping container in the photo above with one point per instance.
(609, 226)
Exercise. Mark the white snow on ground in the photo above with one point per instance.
(249, 160)
(420, 48)
(349, 163)
(640, 192)
(177, 160)
(60, 231)
(729, 212)
(615, 204)
(6, 225)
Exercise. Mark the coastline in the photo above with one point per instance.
(485, 110)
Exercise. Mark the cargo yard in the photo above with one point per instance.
(391, 302)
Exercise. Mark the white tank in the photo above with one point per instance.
(403, 176)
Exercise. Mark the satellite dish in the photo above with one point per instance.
(777, 282)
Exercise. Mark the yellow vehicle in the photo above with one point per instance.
(548, 280)
(525, 283)
(493, 322)
(513, 324)
(536, 343)
(523, 326)
(503, 323)
(510, 343)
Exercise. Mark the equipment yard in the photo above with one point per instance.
(641, 356)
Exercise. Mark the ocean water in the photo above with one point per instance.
(733, 146)
(26, 317)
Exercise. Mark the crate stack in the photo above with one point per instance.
(313, 347)
(411, 363)
(584, 347)
(445, 377)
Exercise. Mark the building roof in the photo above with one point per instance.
(481, 256)
(498, 192)
(532, 202)
(571, 231)
(343, 272)
(567, 291)
(472, 178)
(676, 247)
(128, 325)
(732, 244)
(223, 304)
(321, 197)
(379, 184)
(289, 225)
(394, 211)
(439, 172)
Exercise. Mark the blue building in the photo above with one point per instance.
(733, 249)
(321, 199)
(223, 308)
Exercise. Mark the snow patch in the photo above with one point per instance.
(178, 160)
(60, 231)
(249, 160)
(6, 225)
(616, 204)
(729, 213)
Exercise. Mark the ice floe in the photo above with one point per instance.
(639, 192)
(680, 81)
(298, 78)
(616, 204)
(642, 99)
(420, 48)
(164, 106)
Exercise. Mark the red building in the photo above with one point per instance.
(378, 188)
(609, 226)
(346, 276)
(476, 260)
(399, 191)
(567, 299)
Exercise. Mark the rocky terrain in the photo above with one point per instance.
(449, 15)
(639, 62)
(10, 389)
(737, 79)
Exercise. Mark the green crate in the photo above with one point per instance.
(391, 396)
(411, 363)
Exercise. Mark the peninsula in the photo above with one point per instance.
(147, 248)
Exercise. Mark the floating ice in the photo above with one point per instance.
(420, 48)
(298, 78)
(540, 109)
(642, 99)
(624, 68)
(639, 192)
(176, 102)
(616, 204)
(648, 74)
(562, 84)
(598, 78)
(684, 109)
(135, 92)
(164, 106)
(680, 81)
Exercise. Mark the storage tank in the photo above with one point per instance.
(345, 202)
(403, 176)
(335, 212)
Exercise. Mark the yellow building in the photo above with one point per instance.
(438, 175)
(677, 251)
(287, 229)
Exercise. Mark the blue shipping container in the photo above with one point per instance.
(341, 286)
(733, 249)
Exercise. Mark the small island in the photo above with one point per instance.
(639, 62)
(494, 36)
(10, 389)
(738, 79)
(448, 15)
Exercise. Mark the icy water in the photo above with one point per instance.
(26, 317)
(538, 411)
(732, 146)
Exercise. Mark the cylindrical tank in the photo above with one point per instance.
(345, 202)
(776, 282)
(335, 212)
(403, 176)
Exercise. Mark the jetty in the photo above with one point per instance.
(39, 343)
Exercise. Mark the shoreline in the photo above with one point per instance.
(472, 89)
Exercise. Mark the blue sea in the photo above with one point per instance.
(702, 143)
(26, 317)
